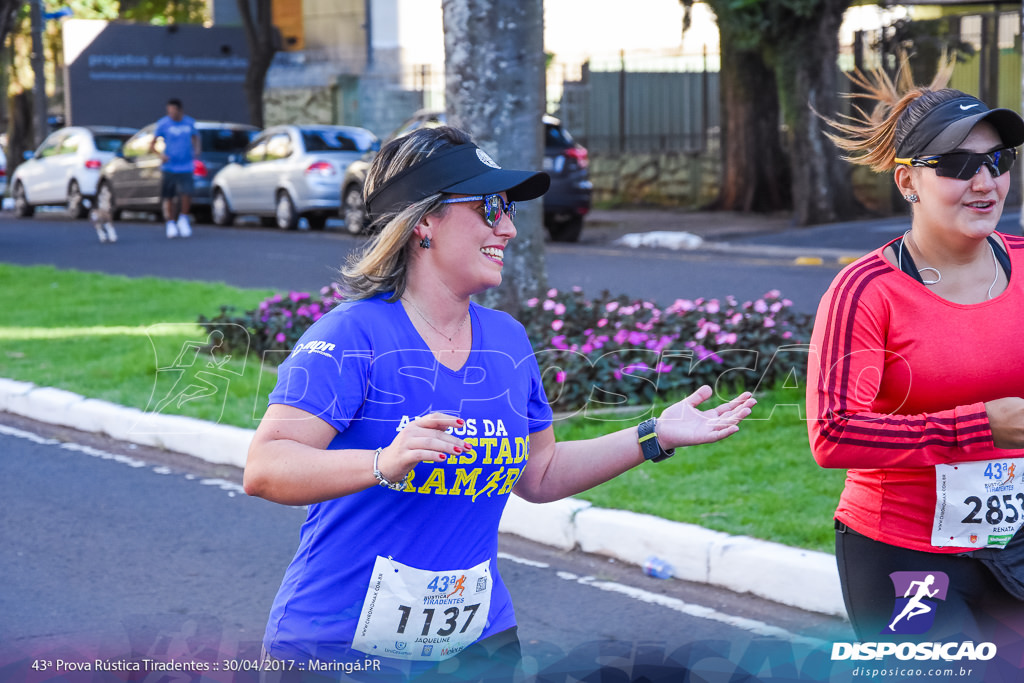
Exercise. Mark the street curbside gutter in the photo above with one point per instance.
(791, 576)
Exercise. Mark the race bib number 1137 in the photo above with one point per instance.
(424, 615)
(978, 504)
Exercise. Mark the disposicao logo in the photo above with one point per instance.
(917, 596)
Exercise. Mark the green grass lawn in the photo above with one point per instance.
(134, 341)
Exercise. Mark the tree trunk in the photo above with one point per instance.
(494, 74)
(263, 41)
(755, 169)
(19, 131)
(822, 191)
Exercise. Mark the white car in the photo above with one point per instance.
(65, 170)
(287, 173)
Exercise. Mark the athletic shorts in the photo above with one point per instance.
(175, 184)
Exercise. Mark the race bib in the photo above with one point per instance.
(978, 504)
(420, 615)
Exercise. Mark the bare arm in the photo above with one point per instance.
(289, 463)
(1006, 419)
(558, 470)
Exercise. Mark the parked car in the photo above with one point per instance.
(289, 172)
(565, 204)
(3, 171)
(65, 169)
(131, 180)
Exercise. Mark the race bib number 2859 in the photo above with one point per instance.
(424, 615)
(978, 504)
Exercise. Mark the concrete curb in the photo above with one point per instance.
(791, 576)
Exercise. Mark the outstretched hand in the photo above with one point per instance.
(684, 424)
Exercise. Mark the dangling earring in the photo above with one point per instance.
(912, 198)
(425, 243)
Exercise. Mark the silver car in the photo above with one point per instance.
(65, 170)
(287, 173)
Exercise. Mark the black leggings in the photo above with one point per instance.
(976, 607)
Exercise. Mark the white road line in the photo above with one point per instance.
(523, 560)
(750, 625)
(230, 487)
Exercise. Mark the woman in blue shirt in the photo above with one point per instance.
(406, 416)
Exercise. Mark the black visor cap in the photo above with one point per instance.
(463, 169)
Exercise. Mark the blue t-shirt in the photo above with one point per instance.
(365, 370)
(177, 137)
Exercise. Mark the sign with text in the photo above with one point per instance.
(122, 74)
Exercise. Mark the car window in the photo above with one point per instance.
(109, 142)
(71, 144)
(425, 121)
(279, 147)
(556, 136)
(51, 145)
(328, 141)
(257, 151)
(230, 140)
(138, 146)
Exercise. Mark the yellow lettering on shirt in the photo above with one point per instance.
(488, 444)
(510, 480)
(522, 449)
(467, 479)
(434, 481)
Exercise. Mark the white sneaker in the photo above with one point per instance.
(172, 230)
(184, 227)
(111, 234)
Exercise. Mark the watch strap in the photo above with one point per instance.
(647, 436)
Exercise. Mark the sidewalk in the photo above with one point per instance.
(737, 563)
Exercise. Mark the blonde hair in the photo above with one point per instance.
(872, 139)
(382, 265)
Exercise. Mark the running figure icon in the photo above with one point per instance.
(915, 606)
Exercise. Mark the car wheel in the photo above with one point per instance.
(284, 212)
(567, 231)
(355, 212)
(76, 202)
(22, 209)
(317, 221)
(106, 203)
(220, 210)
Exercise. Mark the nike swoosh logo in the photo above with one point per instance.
(964, 107)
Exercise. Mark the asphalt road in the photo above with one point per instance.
(250, 256)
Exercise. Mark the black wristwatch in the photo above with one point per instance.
(647, 435)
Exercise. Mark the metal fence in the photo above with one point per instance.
(626, 110)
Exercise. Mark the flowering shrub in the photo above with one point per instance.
(617, 351)
(603, 352)
(276, 324)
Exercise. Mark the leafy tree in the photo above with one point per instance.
(159, 11)
(797, 41)
(494, 75)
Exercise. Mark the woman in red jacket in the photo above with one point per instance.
(916, 374)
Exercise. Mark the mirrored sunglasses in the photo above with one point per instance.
(963, 165)
(494, 206)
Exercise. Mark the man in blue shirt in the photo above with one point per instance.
(181, 147)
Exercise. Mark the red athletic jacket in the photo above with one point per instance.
(897, 381)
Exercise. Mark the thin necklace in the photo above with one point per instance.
(938, 279)
(432, 325)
